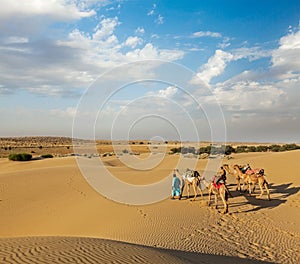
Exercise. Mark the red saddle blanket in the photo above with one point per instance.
(253, 171)
(217, 185)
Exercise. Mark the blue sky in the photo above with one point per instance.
(243, 56)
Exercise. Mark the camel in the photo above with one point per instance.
(237, 176)
(192, 178)
(239, 172)
(217, 190)
(233, 173)
(251, 177)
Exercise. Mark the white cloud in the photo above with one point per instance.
(152, 11)
(133, 41)
(225, 43)
(286, 59)
(159, 20)
(258, 104)
(167, 93)
(140, 30)
(164, 93)
(253, 53)
(249, 96)
(15, 40)
(64, 67)
(200, 34)
(217, 64)
(57, 9)
(151, 52)
(68, 112)
(103, 49)
(105, 28)
(214, 67)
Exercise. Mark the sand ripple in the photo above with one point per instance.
(79, 250)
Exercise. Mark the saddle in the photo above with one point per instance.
(192, 175)
(217, 185)
(244, 169)
(190, 178)
(257, 172)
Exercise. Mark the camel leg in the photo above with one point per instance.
(249, 186)
(200, 191)
(224, 202)
(216, 201)
(195, 191)
(261, 189)
(265, 185)
(209, 197)
(238, 184)
(244, 189)
(268, 191)
(244, 184)
(253, 189)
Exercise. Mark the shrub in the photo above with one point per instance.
(275, 148)
(290, 146)
(252, 149)
(262, 148)
(229, 149)
(186, 150)
(175, 150)
(206, 150)
(241, 149)
(47, 156)
(20, 157)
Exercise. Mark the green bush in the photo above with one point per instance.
(276, 148)
(251, 149)
(47, 156)
(241, 149)
(290, 147)
(262, 148)
(175, 150)
(229, 149)
(206, 150)
(20, 157)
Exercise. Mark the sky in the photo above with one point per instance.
(169, 70)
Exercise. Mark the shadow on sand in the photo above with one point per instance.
(281, 193)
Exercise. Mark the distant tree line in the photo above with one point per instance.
(228, 149)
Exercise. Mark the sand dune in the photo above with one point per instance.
(49, 213)
(94, 250)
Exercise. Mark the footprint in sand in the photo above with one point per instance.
(142, 213)
(70, 183)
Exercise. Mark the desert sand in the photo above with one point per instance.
(50, 214)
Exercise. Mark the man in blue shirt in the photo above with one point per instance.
(175, 186)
